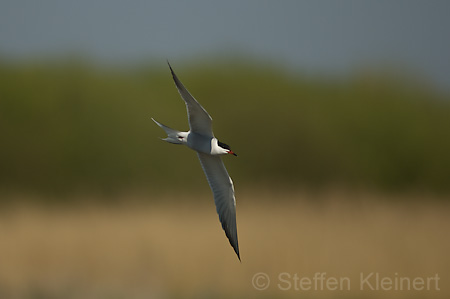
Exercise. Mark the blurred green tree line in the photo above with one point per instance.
(71, 126)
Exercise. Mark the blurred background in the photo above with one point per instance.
(339, 112)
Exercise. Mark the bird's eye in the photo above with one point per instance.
(180, 137)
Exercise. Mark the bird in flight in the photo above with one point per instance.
(201, 139)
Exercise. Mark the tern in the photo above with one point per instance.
(201, 139)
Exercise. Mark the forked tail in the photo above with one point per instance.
(173, 136)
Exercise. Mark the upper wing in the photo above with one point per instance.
(223, 190)
(199, 119)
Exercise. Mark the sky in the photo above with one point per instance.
(318, 36)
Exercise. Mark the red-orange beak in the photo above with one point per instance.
(232, 153)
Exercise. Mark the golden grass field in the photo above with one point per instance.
(174, 247)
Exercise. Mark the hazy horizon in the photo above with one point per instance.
(325, 37)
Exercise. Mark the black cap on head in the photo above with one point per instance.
(223, 145)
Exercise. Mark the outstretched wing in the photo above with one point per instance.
(199, 120)
(223, 191)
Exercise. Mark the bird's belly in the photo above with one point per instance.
(199, 143)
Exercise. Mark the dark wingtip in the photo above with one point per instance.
(234, 245)
(175, 78)
(236, 250)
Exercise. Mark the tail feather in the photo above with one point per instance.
(172, 135)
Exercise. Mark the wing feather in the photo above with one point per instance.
(223, 191)
(199, 119)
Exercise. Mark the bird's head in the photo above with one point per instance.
(226, 148)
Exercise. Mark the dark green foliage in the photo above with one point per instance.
(70, 127)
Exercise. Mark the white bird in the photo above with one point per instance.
(201, 139)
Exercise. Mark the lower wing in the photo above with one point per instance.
(223, 191)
